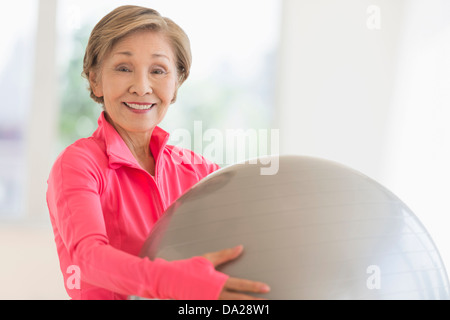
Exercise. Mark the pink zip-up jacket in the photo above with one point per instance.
(102, 207)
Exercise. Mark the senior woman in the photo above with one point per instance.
(106, 192)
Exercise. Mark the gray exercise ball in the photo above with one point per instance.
(314, 230)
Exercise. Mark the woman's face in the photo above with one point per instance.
(138, 81)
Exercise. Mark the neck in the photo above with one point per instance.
(139, 145)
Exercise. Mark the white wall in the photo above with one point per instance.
(336, 80)
(29, 263)
(43, 117)
(375, 99)
(417, 162)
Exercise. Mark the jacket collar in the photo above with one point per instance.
(116, 149)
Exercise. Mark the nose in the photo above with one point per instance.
(141, 84)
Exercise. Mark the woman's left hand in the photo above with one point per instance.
(234, 288)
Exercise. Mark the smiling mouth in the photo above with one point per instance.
(139, 106)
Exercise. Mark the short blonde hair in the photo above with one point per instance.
(125, 20)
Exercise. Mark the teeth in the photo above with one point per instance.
(139, 106)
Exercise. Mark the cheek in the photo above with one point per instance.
(168, 91)
(113, 88)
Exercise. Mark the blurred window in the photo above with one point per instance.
(18, 22)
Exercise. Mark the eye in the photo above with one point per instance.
(123, 69)
(158, 71)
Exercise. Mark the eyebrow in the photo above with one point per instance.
(154, 55)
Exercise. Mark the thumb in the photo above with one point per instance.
(219, 257)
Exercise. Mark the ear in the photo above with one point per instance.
(96, 85)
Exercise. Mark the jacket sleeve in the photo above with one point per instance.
(73, 198)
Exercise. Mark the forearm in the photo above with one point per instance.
(104, 266)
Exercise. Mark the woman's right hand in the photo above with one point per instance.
(235, 288)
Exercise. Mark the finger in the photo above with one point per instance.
(225, 255)
(244, 285)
